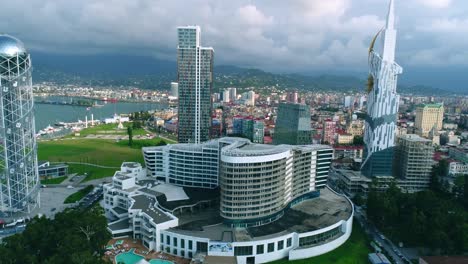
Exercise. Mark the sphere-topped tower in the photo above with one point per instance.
(19, 180)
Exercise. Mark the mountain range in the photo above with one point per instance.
(149, 73)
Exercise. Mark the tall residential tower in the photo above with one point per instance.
(19, 180)
(195, 78)
(293, 125)
(382, 103)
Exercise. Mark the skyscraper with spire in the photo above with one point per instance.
(382, 103)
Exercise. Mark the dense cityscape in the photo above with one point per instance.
(235, 166)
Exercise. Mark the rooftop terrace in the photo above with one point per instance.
(307, 216)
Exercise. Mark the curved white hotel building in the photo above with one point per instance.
(230, 199)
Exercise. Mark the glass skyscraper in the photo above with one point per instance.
(293, 125)
(19, 180)
(195, 78)
(382, 104)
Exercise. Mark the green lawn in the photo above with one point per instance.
(96, 151)
(110, 129)
(57, 180)
(354, 251)
(75, 197)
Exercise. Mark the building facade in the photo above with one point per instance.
(195, 83)
(284, 174)
(329, 131)
(382, 104)
(413, 162)
(19, 178)
(174, 89)
(428, 117)
(293, 125)
(282, 186)
(190, 165)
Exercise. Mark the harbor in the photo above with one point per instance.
(57, 120)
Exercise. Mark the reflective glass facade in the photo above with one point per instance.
(195, 78)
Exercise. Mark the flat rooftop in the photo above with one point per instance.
(307, 216)
(146, 204)
(194, 195)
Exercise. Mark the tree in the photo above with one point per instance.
(130, 135)
(358, 140)
(59, 240)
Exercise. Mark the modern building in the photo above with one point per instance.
(174, 89)
(195, 79)
(459, 153)
(457, 168)
(348, 101)
(348, 152)
(293, 125)
(253, 129)
(413, 162)
(428, 117)
(197, 165)
(249, 98)
(382, 103)
(19, 178)
(270, 203)
(350, 182)
(329, 131)
(248, 127)
(292, 97)
(47, 170)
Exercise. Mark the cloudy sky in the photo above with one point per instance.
(278, 35)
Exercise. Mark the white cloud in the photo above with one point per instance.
(435, 3)
(252, 16)
(281, 35)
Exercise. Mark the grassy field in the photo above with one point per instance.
(354, 251)
(75, 197)
(57, 180)
(96, 151)
(110, 129)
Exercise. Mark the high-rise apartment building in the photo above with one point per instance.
(329, 131)
(413, 162)
(428, 117)
(195, 78)
(293, 97)
(174, 89)
(382, 104)
(19, 178)
(250, 128)
(293, 125)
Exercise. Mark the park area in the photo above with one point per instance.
(95, 158)
(355, 250)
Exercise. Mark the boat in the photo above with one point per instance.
(60, 124)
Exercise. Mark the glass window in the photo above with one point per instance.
(174, 240)
(243, 251)
(280, 245)
(271, 247)
(259, 249)
(289, 242)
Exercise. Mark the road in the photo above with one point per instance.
(390, 250)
